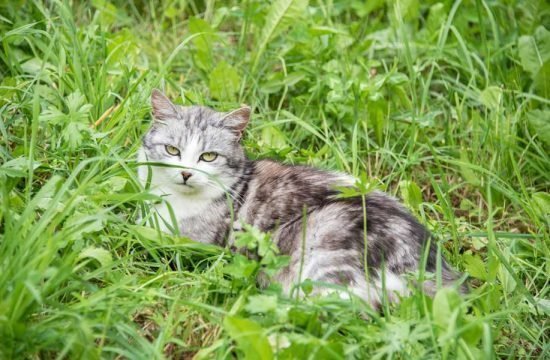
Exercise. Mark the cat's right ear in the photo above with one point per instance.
(163, 109)
(237, 119)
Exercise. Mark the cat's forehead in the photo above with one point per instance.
(196, 119)
(195, 124)
(200, 117)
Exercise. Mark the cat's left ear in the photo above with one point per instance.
(163, 109)
(237, 119)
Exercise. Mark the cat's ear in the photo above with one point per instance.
(237, 119)
(163, 108)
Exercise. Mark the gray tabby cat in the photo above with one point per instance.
(209, 164)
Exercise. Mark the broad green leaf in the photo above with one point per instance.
(7, 90)
(78, 109)
(364, 8)
(241, 267)
(73, 119)
(103, 256)
(539, 123)
(73, 134)
(411, 193)
(542, 201)
(85, 224)
(507, 280)
(107, 11)
(279, 17)
(436, 17)
(261, 304)
(406, 9)
(543, 305)
(45, 198)
(403, 10)
(53, 116)
(248, 238)
(331, 350)
(224, 82)
(146, 233)
(534, 50)
(123, 50)
(475, 330)
(36, 66)
(446, 302)
(542, 80)
(203, 42)
(491, 97)
(475, 266)
(116, 183)
(17, 167)
(276, 81)
(273, 137)
(397, 78)
(249, 336)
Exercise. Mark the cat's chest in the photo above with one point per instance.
(178, 209)
(183, 207)
(194, 218)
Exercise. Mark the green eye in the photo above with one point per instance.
(208, 156)
(172, 150)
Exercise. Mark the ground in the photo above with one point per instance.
(443, 104)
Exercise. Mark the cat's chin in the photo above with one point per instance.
(193, 191)
(188, 189)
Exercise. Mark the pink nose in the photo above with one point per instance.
(186, 175)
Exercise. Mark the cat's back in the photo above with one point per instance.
(277, 193)
(281, 176)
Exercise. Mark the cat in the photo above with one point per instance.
(205, 165)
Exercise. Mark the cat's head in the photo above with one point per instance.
(202, 147)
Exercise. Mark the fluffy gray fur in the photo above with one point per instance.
(272, 196)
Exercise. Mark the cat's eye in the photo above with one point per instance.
(208, 156)
(172, 150)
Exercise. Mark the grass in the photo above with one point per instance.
(444, 104)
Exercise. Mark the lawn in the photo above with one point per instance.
(445, 104)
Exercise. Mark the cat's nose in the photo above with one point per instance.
(186, 175)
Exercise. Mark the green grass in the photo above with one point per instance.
(444, 104)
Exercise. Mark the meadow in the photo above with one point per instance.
(444, 104)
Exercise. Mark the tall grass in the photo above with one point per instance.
(445, 104)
